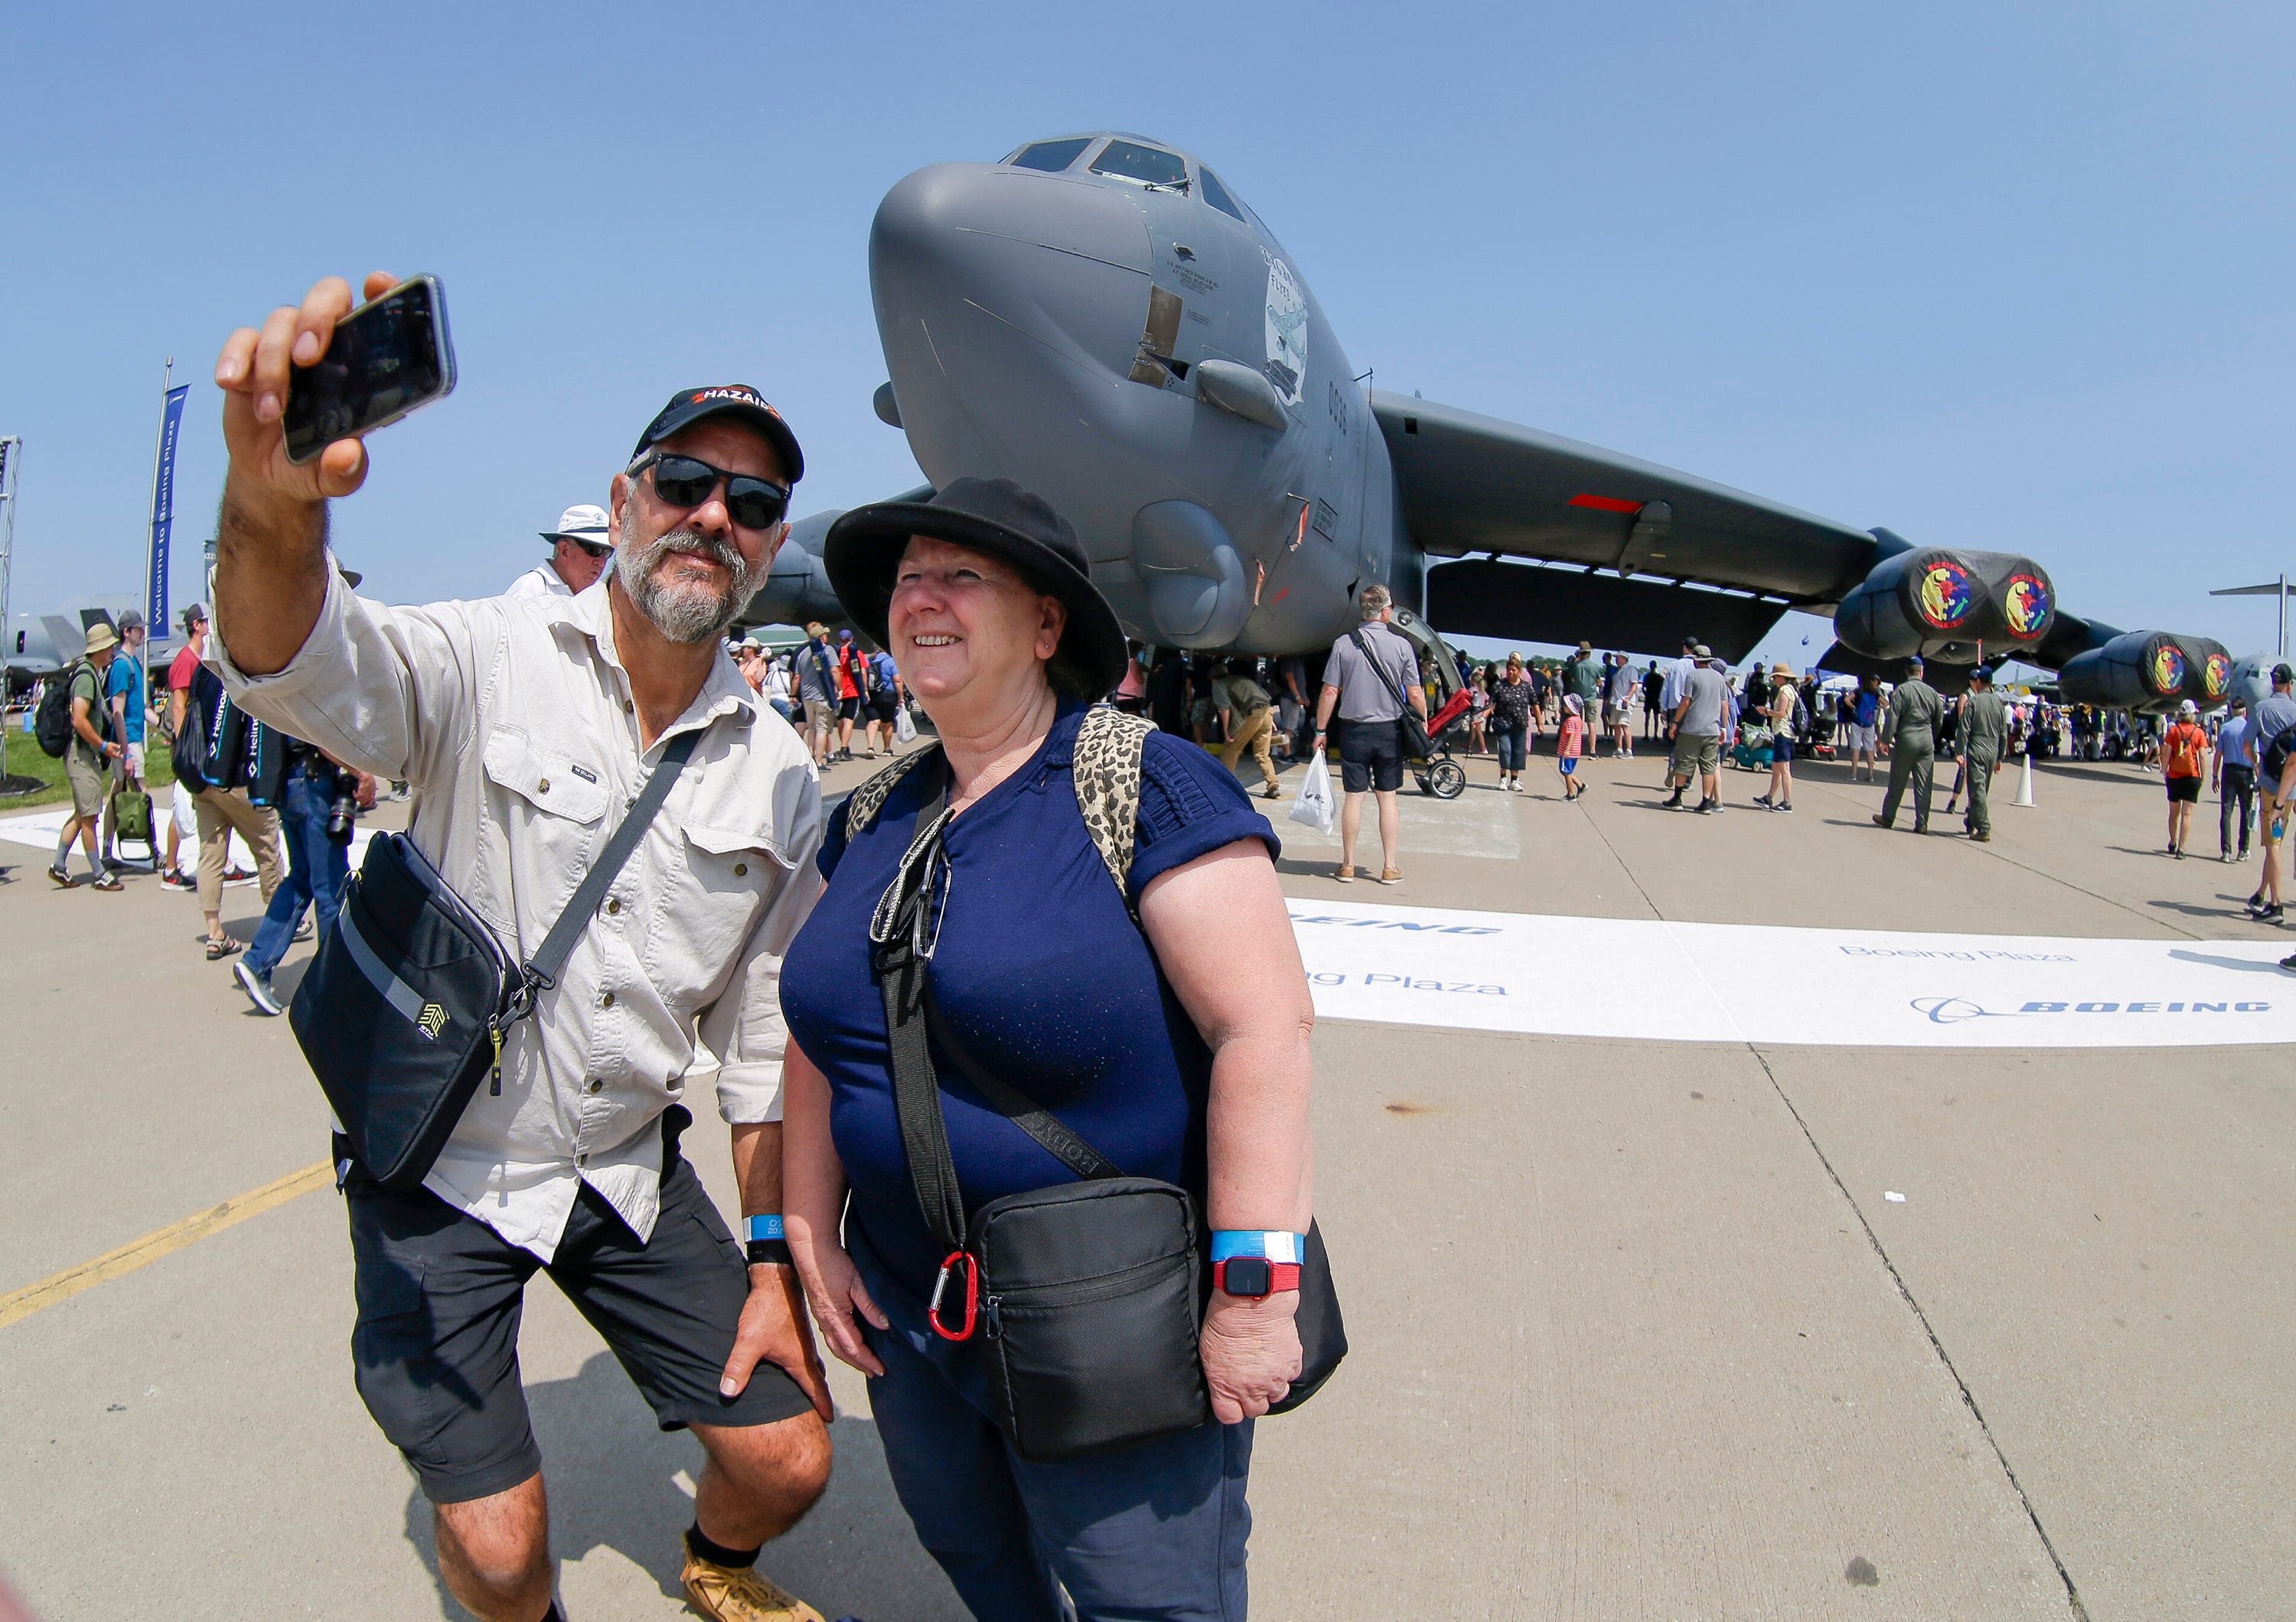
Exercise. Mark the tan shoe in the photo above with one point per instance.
(738, 1594)
(1391, 875)
(1345, 875)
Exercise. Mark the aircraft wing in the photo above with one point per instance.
(1475, 484)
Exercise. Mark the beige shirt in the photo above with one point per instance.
(512, 718)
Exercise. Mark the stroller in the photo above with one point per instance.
(1751, 752)
(1439, 774)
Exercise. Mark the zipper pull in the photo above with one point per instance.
(495, 1088)
(996, 1324)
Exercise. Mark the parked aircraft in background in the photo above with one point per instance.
(1103, 319)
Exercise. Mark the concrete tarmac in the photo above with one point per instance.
(1636, 1330)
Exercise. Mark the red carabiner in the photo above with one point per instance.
(971, 1298)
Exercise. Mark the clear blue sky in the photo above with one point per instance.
(1997, 275)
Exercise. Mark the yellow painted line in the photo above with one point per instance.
(141, 1252)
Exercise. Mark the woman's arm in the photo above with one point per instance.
(1223, 934)
(812, 1201)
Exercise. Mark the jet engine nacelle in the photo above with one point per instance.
(1945, 603)
(796, 586)
(2149, 672)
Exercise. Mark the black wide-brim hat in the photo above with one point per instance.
(997, 517)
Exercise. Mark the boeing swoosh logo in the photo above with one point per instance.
(1953, 1011)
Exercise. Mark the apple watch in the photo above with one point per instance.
(1254, 1264)
(767, 1246)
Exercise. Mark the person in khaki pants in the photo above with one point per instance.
(220, 811)
(1249, 715)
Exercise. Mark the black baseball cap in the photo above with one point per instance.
(2282, 673)
(688, 407)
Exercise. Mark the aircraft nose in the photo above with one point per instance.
(1062, 261)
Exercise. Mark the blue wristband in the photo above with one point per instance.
(1250, 1241)
(766, 1228)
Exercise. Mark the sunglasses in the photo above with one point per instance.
(686, 481)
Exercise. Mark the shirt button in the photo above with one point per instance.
(543, 787)
(581, 1159)
(597, 1086)
(740, 869)
(614, 905)
(606, 1001)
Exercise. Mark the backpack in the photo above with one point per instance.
(2182, 750)
(54, 725)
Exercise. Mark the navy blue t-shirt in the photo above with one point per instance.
(1040, 973)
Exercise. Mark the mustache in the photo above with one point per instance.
(716, 548)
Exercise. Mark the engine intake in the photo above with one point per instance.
(2149, 672)
(1946, 604)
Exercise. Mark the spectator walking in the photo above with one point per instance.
(1618, 705)
(1512, 701)
(1653, 691)
(88, 754)
(2235, 774)
(1701, 716)
(2271, 733)
(127, 696)
(1584, 677)
(1249, 714)
(572, 1166)
(816, 689)
(1569, 745)
(317, 864)
(2184, 765)
(185, 679)
(1784, 715)
(225, 805)
(578, 550)
(884, 701)
(1864, 726)
(1983, 738)
(1371, 675)
(1914, 711)
(852, 692)
(1479, 710)
(1678, 679)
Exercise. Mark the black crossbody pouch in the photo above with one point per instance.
(1084, 1299)
(403, 1012)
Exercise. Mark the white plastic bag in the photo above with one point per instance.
(1313, 805)
(905, 729)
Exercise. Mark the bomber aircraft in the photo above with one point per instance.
(1103, 319)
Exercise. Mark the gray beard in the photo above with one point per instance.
(685, 613)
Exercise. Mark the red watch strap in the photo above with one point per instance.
(1282, 1276)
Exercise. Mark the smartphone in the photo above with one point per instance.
(388, 357)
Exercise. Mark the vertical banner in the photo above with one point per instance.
(163, 511)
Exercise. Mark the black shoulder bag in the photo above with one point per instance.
(404, 1010)
(1416, 746)
(1086, 1298)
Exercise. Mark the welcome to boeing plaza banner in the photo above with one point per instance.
(1711, 982)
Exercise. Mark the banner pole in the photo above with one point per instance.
(155, 590)
(11, 454)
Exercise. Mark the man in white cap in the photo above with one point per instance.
(578, 550)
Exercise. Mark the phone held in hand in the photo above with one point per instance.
(388, 357)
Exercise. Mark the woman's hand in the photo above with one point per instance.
(834, 1292)
(1251, 1353)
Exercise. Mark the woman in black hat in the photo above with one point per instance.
(1176, 1046)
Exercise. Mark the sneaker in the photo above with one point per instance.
(2271, 915)
(1673, 802)
(1391, 875)
(1878, 822)
(236, 875)
(1981, 838)
(106, 880)
(177, 881)
(258, 988)
(1345, 874)
(1708, 808)
(1762, 800)
(740, 1594)
(2289, 962)
(1787, 807)
(2255, 904)
(63, 879)
(1274, 791)
(303, 930)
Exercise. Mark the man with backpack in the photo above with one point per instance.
(70, 727)
(816, 690)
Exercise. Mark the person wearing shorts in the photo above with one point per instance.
(1371, 673)
(2183, 756)
(816, 690)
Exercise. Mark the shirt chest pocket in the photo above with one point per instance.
(732, 872)
(551, 805)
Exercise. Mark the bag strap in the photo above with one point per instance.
(543, 967)
(1363, 648)
(1104, 767)
(1052, 1134)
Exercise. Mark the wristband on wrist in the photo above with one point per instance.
(768, 1245)
(1253, 1263)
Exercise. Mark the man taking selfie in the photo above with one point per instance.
(528, 727)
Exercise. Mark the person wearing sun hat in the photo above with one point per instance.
(1174, 1044)
(1781, 709)
(578, 550)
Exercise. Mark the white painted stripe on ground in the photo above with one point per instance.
(1724, 982)
(39, 828)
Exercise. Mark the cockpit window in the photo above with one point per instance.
(1217, 196)
(1151, 166)
(1051, 156)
